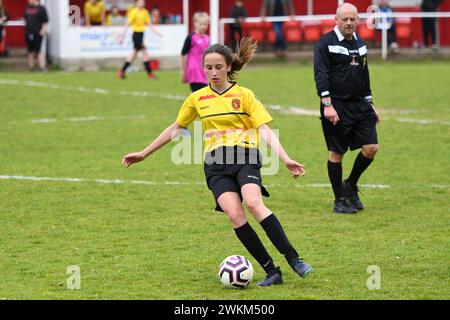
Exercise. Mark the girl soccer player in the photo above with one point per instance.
(192, 53)
(233, 120)
(138, 19)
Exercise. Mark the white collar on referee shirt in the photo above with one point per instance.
(339, 34)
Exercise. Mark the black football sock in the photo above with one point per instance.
(251, 241)
(125, 67)
(148, 67)
(276, 234)
(360, 165)
(335, 175)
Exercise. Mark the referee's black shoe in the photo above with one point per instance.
(303, 269)
(272, 278)
(351, 193)
(344, 206)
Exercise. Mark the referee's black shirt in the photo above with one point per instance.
(340, 67)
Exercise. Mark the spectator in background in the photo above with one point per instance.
(392, 31)
(155, 15)
(115, 18)
(194, 47)
(3, 19)
(429, 24)
(278, 8)
(238, 13)
(36, 23)
(94, 13)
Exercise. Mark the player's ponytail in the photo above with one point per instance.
(246, 50)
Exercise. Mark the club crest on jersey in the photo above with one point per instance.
(236, 104)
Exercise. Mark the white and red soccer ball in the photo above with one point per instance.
(236, 272)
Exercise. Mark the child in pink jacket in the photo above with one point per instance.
(192, 53)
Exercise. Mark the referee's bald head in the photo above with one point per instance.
(346, 7)
(347, 19)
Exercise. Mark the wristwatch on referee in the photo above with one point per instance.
(327, 103)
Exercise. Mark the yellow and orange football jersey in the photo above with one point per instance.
(228, 119)
(138, 19)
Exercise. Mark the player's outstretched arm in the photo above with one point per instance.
(155, 31)
(123, 35)
(183, 68)
(272, 141)
(166, 136)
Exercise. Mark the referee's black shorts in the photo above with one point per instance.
(34, 42)
(229, 176)
(356, 126)
(138, 40)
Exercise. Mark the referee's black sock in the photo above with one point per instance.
(125, 67)
(276, 234)
(335, 175)
(360, 165)
(148, 67)
(251, 241)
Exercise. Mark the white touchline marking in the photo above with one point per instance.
(293, 110)
(87, 118)
(308, 112)
(90, 118)
(422, 121)
(45, 120)
(142, 182)
(184, 183)
(101, 91)
(9, 81)
(439, 186)
(380, 186)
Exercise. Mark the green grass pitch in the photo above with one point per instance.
(164, 241)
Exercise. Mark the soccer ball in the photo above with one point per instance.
(236, 272)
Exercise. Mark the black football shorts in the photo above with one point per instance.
(356, 126)
(34, 42)
(138, 40)
(230, 177)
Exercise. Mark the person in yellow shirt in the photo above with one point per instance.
(233, 120)
(139, 20)
(94, 13)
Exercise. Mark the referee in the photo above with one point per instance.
(347, 112)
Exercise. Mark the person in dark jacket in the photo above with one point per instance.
(238, 13)
(429, 24)
(3, 19)
(36, 23)
(278, 8)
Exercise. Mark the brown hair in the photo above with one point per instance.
(246, 50)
